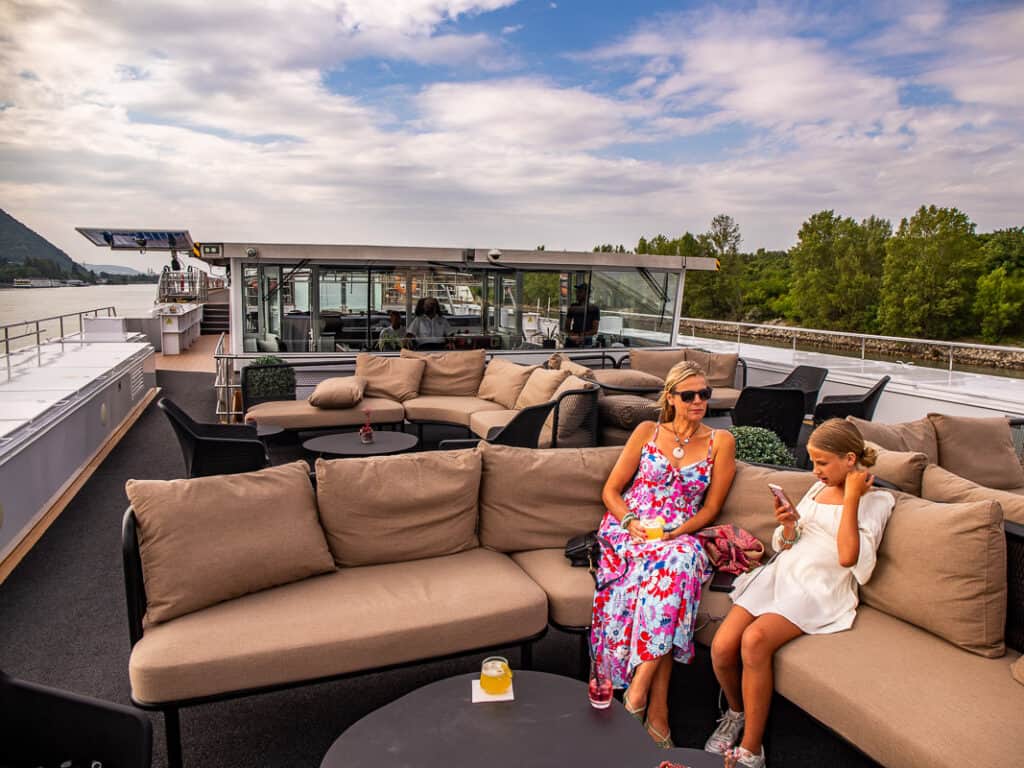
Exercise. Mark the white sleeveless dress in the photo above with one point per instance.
(806, 584)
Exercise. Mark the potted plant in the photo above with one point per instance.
(551, 337)
(271, 384)
(761, 446)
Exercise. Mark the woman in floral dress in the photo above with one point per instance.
(645, 615)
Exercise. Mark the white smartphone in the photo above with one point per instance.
(780, 494)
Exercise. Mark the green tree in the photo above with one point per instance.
(932, 265)
(999, 302)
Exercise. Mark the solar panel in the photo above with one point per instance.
(138, 239)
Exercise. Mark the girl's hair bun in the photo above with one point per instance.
(868, 457)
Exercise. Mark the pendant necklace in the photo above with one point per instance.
(680, 448)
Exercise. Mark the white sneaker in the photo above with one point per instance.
(748, 759)
(727, 733)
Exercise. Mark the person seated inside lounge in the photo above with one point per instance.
(392, 336)
(582, 319)
(429, 329)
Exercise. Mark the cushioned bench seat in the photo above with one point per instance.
(447, 409)
(723, 399)
(354, 619)
(904, 696)
(482, 423)
(299, 414)
(570, 590)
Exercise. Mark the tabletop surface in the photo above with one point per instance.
(550, 724)
(349, 444)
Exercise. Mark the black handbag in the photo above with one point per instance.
(584, 551)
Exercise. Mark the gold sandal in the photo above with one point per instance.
(637, 713)
(665, 742)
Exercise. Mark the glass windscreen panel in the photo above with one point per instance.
(635, 307)
(347, 322)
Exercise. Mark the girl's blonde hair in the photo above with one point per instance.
(841, 437)
(677, 374)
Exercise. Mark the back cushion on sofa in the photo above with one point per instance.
(388, 509)
(901, 468)
(571, 411)
(562, 363)
(210, 539)
(657, 362)
(540, 387)
(938, 484)
(916, 436)
(749, 503)
(537, 499)
(450, 373)
(942, 567)
(979, 449)
(625, 377)
(390, 377)
(338, 392)
(503, 381)
(721, 369)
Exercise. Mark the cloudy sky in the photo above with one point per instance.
(497, 123)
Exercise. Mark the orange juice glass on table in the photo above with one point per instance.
(495, 675)
(655, 528)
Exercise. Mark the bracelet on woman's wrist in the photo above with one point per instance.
(627, 519)
(794, 540)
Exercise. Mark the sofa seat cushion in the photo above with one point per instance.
(350, 620)
(979, 449)
(450, 410)
(723, 398)
(626, 411)
(483, 423)
(714, 606)
(570, 590)
(450, 373)
(938, 484)
(301, 414)
(916, 436)
(906, 697)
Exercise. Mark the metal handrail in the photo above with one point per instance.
(8, 338)
(181, 285)
(224, 383)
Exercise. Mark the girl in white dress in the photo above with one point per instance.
(826, 547)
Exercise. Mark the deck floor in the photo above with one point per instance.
(196, 359)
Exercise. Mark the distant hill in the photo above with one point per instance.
(18, 244)
(112, 269)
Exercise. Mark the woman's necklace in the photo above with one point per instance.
(680, 448)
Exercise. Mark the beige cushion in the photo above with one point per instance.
(538, 499)
(609, 434)
(942, 567)
(540, 387)
(449, 410)
(570, 590)
(338, 392)
(720, 367)
(940, 484)
(388, 509)
(563, 363)
(749, 503)
(714, 607)
(723, 398)
(351, 620)
(626, 378)
(211, 539)
(979, 449)
(390, 377)
(450, 373)
(916, 436)
(905, 697)
(484, 423)
(656, 362)
(503, 381)
(1017, 670)
(901, 468)
(627, 411)
(571, 411)
(301, 414)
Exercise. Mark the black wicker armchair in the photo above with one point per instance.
(807, 379)
(841, 406)
(775, 408)
(522, 432)
(214, 449)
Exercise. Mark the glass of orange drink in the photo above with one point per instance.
(655, 528)
(495, 675)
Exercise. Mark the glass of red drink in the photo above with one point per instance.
(600, 688)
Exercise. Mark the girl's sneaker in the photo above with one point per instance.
(727, 733)
(748, 759)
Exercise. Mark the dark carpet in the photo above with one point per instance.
(63, 623)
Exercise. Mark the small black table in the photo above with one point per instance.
(549, 725)
(348, 444)
(264, 431)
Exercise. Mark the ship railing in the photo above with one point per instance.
(19, 338)
(226, 384)
(183, 286)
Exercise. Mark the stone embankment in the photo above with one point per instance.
(778, 335)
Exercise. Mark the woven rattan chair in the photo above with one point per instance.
(522, 432)
(806, 378)
(214, 449)
(841, 406)
(775, 408)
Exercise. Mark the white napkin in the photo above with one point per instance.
(480, 695)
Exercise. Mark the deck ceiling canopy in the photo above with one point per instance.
(138, 239)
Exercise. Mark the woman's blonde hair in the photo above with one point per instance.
(841, 437)
(677, 374)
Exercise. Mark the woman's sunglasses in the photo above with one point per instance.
(688, 395)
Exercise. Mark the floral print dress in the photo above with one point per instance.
(649, 607)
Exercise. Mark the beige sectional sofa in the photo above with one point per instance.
(453, 388)
(251, 582)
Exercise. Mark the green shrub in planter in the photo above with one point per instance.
(272, 384)
(762, 446)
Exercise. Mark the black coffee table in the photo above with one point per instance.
(348, 444)
(549, 725)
